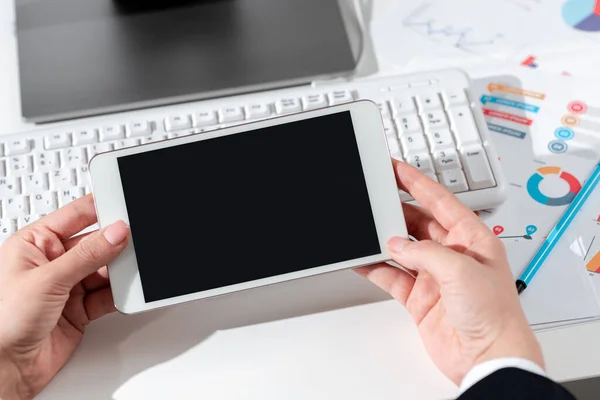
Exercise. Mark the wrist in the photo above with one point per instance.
(515, 342)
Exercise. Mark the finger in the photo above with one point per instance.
(97, 280)
(89, 255)
(442, 263)
(443, 204)
(421, 225)
(393, 280)
(70, 219)
(72, 242)
(99, 303)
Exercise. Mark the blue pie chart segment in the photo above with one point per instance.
(582, 14)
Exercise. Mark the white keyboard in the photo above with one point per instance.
(430, 121)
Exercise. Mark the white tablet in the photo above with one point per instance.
(250, 205)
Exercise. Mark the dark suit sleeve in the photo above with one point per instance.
(516, 384)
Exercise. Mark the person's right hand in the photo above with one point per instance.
(463, 300)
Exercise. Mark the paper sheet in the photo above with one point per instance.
(552, 35)
(545, 156)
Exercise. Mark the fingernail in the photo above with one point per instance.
(396, 244)
(116, 233)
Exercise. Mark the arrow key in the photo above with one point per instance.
(421, 161)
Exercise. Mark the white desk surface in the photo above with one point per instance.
(272, 343)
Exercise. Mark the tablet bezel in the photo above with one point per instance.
(379, 176)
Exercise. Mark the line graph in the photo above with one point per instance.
(527, 5)
(464, 38)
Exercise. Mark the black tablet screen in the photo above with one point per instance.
(248, 206)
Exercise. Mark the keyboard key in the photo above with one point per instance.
(122, 144)
(287, 106)
(138, 128)
(384, 109)
(9, 187)
(178, 122)
(112, 132)
(446, 159)
(83, 176)
(258, 111)
(25, 220)
(314, 101)
(413, 143)
(408, 124)
(463, 126)
(428, 100)
(35, 183)
(454, 180)
(2, 168)
(205, 118)
(341, 97)
(19, 165)
(84, 137)
(231, 114)
(434, 119)
(421, 161)
(477, 167)
(17, 147)
(420, 83)
(7, 228)
(389, 129)
(15, 206)
(440, 139)
(397, 86)
(402, 105)
(73, 157)
(45, 161)
(394, 148)
(43, 203)
(153, 138)
(67, 195)
(57, 141)
(454, 98)
(94, 149)
(61, 178)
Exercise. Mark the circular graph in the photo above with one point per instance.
(563, 133)
(557, 146)
(577, 107)
(582, 14)
(570, 120)
(533, 186)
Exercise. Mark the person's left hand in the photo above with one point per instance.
(51, 286)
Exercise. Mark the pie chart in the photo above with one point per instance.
(582, 14)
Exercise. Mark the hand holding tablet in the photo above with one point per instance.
(219, 212)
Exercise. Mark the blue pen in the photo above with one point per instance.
(556, 233)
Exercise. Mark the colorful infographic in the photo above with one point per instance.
(594, 264)
(529, 231)
(533, 186)
(581, 121)
(583, 15)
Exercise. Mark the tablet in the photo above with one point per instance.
(249, 205)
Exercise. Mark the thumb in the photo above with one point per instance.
(442, 263)
(89, 255)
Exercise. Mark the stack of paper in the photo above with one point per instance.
(533, 63)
